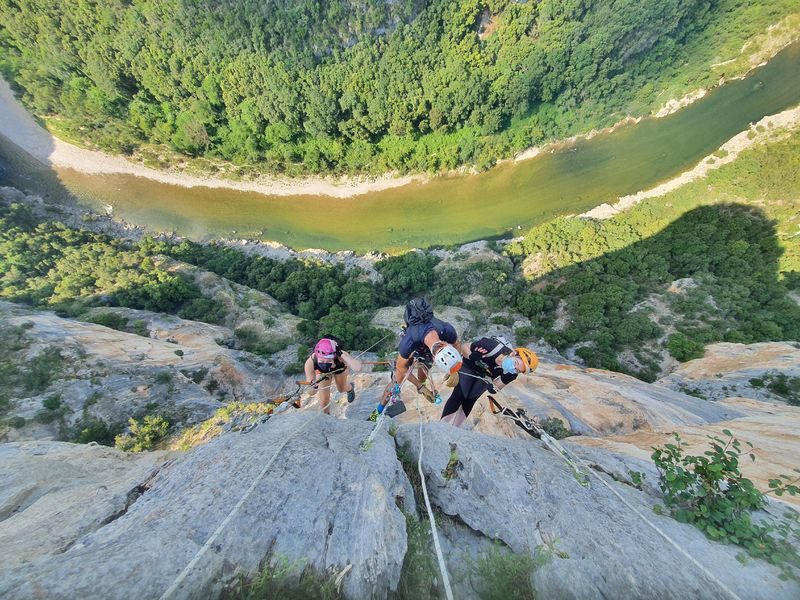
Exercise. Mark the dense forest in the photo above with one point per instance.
(341, 86)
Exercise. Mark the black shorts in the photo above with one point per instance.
(469, 389)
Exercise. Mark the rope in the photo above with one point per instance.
(548, 440)
(674, 544)
(636, 511)
(434, 530)
(179, 579)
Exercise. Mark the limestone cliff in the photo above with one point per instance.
(306, 489)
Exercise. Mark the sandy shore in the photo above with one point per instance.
(772, 126)
(18, 126)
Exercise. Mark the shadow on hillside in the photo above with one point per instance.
(716, 270)
(22, 171)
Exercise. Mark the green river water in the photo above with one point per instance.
(446, 210)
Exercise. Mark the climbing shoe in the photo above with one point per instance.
(351, 395)
(373, 416)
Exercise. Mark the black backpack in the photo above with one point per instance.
(418, 311)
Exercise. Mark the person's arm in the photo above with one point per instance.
(503, 380)
(308, 367)
(351, 362)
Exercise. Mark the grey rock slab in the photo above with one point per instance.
(52, 493)
(296, 488)
(524, 495)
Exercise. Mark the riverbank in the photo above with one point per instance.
(770, 128)
(23, 131)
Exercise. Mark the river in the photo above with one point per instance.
(446, 210)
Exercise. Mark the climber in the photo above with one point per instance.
(329, 361)
(489, 365)
(425, 340)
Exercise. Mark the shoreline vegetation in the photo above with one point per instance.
(23, 131)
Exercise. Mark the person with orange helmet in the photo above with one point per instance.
(329, 360)
(489, 365)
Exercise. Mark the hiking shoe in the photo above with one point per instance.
(351, 395)
(427, 393)
(373, 416)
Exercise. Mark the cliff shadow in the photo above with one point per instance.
(711, 275)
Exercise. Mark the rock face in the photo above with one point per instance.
(771, 428)
(732, 370)
(296, 488)
(595, 402)
(112, 375)
(53, 493)
(525, 496)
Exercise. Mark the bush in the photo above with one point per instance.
(682, 348)
(42, 370)
(17, 422)
(143, 434)
(710, 492)
(52, 402)
(110, 319)
(203, 309)
(554, 427)
(95, 430)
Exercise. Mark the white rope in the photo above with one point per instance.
(636, 511)
(179, 579)
(655, 527)
(434, 531)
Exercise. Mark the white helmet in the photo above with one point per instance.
(448, 359)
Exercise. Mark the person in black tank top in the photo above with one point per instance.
(329, 360)
(489, 365)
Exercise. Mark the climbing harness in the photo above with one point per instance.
(209, 543)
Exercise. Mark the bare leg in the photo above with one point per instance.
(325, 396)
(456, 419)
(341, 382)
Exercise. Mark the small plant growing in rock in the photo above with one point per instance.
(503, 575)
(288, 581)
(554, 427)
(453, 465)
(710, 492)
(143, 434)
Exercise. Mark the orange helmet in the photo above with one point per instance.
(529, 358)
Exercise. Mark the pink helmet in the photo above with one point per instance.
(325, 348)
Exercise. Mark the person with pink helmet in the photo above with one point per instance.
(330, 361)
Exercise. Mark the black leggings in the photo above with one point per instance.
(465, 394)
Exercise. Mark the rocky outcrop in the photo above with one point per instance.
(596, 402)
(391, 318)
(771, 428)
(109, 375)
(737, 370)
(591, 544)
(296, 489)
